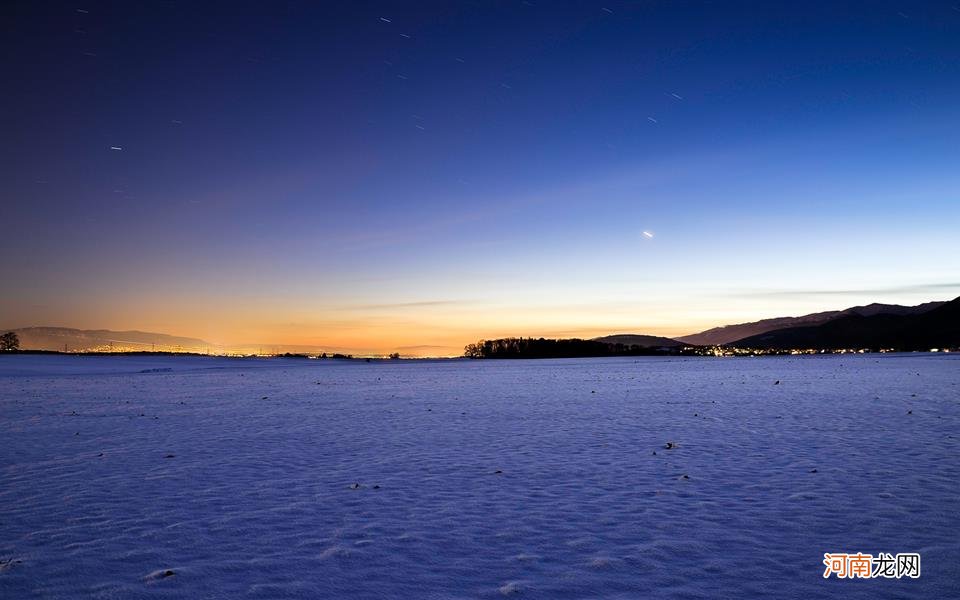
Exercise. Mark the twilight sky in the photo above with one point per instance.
(415, 176)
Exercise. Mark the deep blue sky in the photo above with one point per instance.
(432, 173)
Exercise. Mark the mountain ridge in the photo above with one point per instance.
(56, 338)
(635, 339)
(938, 327)
(726, 334)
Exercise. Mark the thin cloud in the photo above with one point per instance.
(424, 347)
(903, 289)
(401, 305)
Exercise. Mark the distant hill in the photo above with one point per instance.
(719, 336)
(645, 341)
(876, 327)
(75, 340)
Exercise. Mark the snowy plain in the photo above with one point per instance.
(475, 479)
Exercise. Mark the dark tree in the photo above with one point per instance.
(9, 342)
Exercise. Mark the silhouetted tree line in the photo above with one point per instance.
(564, 348)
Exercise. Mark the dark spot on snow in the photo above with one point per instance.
(7, 563)
(161, 574)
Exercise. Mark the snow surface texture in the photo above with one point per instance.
(475, 479)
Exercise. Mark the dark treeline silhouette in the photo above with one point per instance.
(563, 348)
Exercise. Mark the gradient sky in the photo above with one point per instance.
(415, 176)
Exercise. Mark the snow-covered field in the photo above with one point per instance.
(458, 479)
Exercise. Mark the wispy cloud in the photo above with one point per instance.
(917, 288)
(402, 305)
(424, 348)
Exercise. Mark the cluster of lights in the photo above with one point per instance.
(734, 351)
